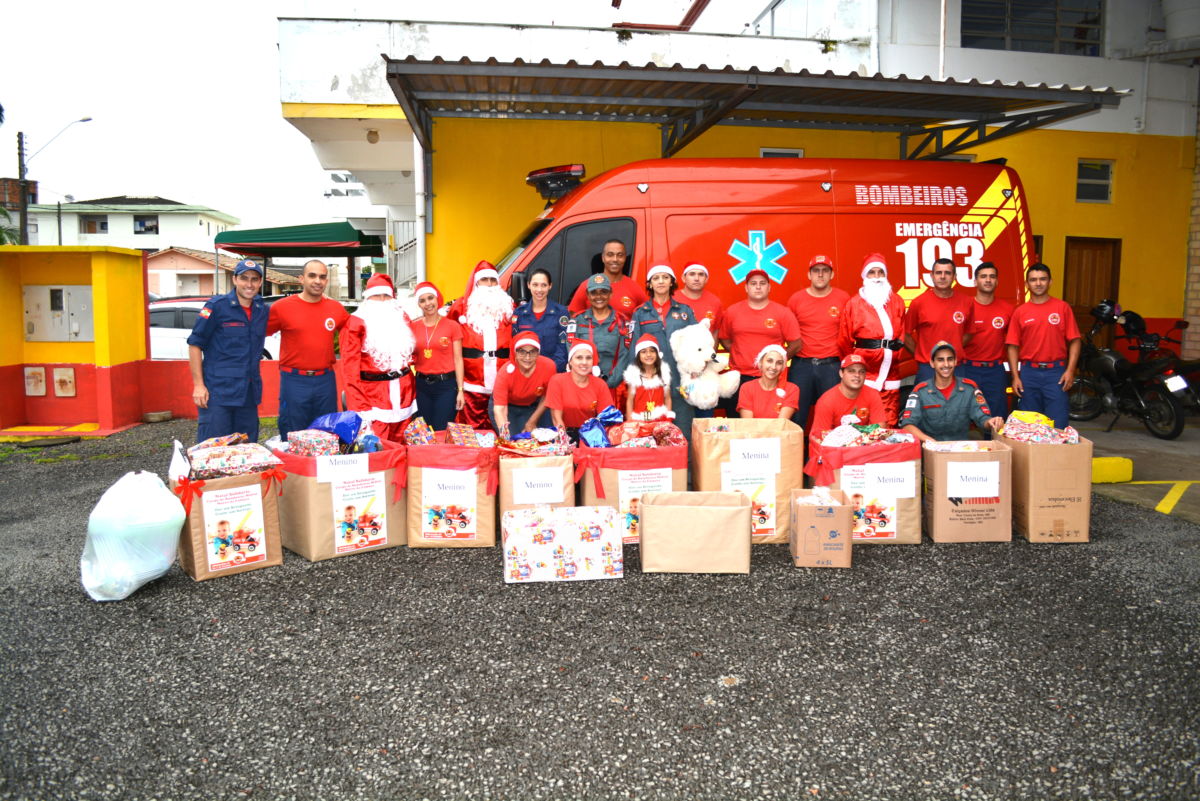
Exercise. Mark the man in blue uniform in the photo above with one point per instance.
(945, 407)
(223, 351)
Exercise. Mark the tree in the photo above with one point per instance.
(10, 234)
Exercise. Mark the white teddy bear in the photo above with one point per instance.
(700, 379)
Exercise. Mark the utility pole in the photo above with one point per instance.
(24, 184)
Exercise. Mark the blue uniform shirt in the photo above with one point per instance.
(232, 347)
(551, 330)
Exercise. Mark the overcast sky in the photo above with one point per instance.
(185, 97)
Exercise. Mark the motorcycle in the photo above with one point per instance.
(1112, 383)
(1150, 347)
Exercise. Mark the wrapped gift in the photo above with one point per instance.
(1052, 489)
(216, 442)
(418, 432)
(968, 491)
(618, 477)
(568, 544)
(310, 442)
(452, 495)
(526, 482)
(822, 521)
(761, 458)
(695, 532)
(883, 483)
(232, 523)
(230, 460)
(342, 504)
(462, 434)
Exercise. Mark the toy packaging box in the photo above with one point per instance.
(618, 477)
(968, 491)
(820, 534)
(526, 482)
(1052, 490)
(232, 524)
(338, 505)
(882, 482)
(578, 543)
(695, 532)
(761, 458)
(452, 495)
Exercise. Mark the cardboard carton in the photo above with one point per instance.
(232, 525)
(565, 544)
(452, 495)
(821, 533)
(695, 532)
(526, 482)
(1052, 490)
(883, 483)
(618, 477)
(968, 494)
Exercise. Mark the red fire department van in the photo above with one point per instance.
(734, 215)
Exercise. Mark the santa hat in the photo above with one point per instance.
(379, 284)
(772, 348)
(695, 265)
(582, 344)
(646, 341)
(427, 288)
(660, 269)
(484, 269)
(872, 261)
(526, 339)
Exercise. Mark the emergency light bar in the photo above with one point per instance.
(554, 182)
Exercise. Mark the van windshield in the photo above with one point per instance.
(517, 247)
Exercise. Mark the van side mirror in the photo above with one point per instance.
(517, 288)
(1181, 324)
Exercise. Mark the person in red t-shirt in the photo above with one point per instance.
(817, 308)
(704, 304)
(984, 353)
(750, 325)
(627, 295)
(939, 314)
(437, 359)
(1043, 348)
(308, 321)
(519, 397)
(577, 395)
(767, 397)
(851, 401)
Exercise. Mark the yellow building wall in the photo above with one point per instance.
(481, 202)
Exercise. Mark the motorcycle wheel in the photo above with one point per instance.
(1164, 413)
(1086, 400)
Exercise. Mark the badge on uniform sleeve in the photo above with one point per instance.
(571, 326)
(564, 320)
(206, 312)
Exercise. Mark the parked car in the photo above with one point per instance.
(171, 323)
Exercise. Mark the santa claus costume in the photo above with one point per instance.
(377, 349)
(485, 313)
(649, 391)
(872, 327)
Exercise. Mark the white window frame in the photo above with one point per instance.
(1092, 182)
(781, 152)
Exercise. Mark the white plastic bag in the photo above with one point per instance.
(133, 534)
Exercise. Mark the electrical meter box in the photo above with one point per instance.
(58, 313)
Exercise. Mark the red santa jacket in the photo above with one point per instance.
(391, 401)
(860, 320)
(483, 354)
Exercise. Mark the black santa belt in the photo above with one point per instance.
(476, 353)
(876, 344)
(393, 375)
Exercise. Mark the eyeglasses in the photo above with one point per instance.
(528, 353)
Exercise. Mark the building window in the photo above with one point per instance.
(93, 223)
(1093, 181)
(781, 152)
(1066, 27)
(145, 224)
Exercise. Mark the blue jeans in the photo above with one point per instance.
(435, 401)
(217, 421)
(304, 398)
(519, 415)
(1043, 393)
(814, 377)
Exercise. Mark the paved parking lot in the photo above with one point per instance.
(990, 671)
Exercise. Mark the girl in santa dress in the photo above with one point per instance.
(647, 379)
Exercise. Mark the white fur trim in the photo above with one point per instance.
(485, 273)
(423, 291)
(871, 265)
(772, 348)
(659, 269)
(378, 290)
(634, 378)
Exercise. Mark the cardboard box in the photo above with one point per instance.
(342, 505)
(619, 477)
(452, 496)
(232, 526)
(1052, 490)
(762, 458)
(577, 543)
(883, 483)
(526, 482)
(821, 533)
(968, 494)
(695, 532)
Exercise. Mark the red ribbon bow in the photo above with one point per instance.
(187, 490)
(274, 474)
(584, 460)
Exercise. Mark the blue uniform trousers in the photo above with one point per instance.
(992, 382)
(815, 377)
(924, 374)
(519, 415)
(1043, 393)
(304, 398)
(217, 421)
(435, 400)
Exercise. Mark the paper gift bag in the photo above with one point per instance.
(821, 532)
(883, 483)
(565, 544)
(1052, 490)
(232, 524)
(526, 482)
(343, 504)
(618, 477)
(762, 458)
(452, 495)
(968, 493)
(695, 532)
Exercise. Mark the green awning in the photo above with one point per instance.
(320, 239)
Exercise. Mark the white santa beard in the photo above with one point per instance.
(487, 307)
(876, 291)
(389, 339)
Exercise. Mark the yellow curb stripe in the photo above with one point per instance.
(1167, 504)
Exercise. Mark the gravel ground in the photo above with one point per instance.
(932, 671)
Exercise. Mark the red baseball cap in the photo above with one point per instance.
(755, 272)
(820, 258)
(853, 358)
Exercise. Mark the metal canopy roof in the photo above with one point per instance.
(931, 118)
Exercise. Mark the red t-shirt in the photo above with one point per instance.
(750, 330)
(931, 320)
(988, 327)
(707, 306)
(577, 403)
(627, 295)
(434, 351)
(1042, 330)
(831, 407)
(818, 321)
(307, 340)
(767, 403)
(512, 386)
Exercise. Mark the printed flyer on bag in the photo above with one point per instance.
(631, 485)
(359, 512)
(873, 490)
(234, 528)
(448, 504)
(753, 481)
